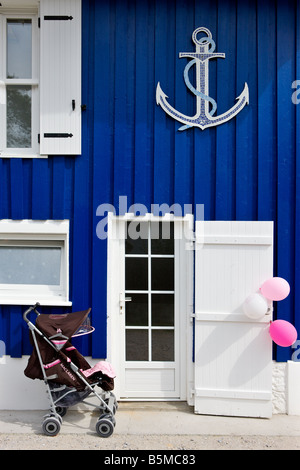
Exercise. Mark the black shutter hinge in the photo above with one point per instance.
(39, 22)
(39, 138)
(57, 17)
(57, 135)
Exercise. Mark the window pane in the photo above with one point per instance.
(19, 49)
(163, 310)
(136, 345)
(136, 273)
(137, 310)
(162, 345)
(162, 275)
(18, 116)
(162, 238)
(30, 265)
(137, 238)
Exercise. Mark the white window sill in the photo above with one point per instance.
(54, 302)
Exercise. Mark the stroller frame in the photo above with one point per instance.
(52, 422)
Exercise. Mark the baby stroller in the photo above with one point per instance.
(68, 377)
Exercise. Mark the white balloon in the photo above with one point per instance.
(255, 306)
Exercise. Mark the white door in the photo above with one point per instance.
(148, 308)
(233, 354)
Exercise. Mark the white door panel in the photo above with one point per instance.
(233, 354)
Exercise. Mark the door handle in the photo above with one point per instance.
(122, 301)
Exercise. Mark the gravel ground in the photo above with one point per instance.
(136, 430)
(91, 441)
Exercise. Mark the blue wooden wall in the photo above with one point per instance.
(246, 169)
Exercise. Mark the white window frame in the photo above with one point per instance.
(56, 81)
(19, 13)
(48, 233)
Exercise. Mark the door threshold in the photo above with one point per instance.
(150, 399)
(155, 406)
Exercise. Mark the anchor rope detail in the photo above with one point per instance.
(196, 92)
(204, 116)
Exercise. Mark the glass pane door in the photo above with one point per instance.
(149, 284)
(149, 300)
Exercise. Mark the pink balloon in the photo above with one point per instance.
(275, 288)
(283, 333)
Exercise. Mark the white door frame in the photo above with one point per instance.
(184, 294)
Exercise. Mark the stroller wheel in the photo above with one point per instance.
(61, 410)
(51, 426)
(104, 427)
(109, 417)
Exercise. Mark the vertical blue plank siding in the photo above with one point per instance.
(246, 127)
(245, 169)
(164, 128)
(266, 111)
(144, 99)
(297, 184)
(101, 101)
(286, 54)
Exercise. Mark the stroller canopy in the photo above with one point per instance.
(67, 324)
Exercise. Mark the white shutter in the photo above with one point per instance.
(233, 354)
(60, 77)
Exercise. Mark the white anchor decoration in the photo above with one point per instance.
(204, 117)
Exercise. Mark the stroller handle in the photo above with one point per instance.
(30, 310)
